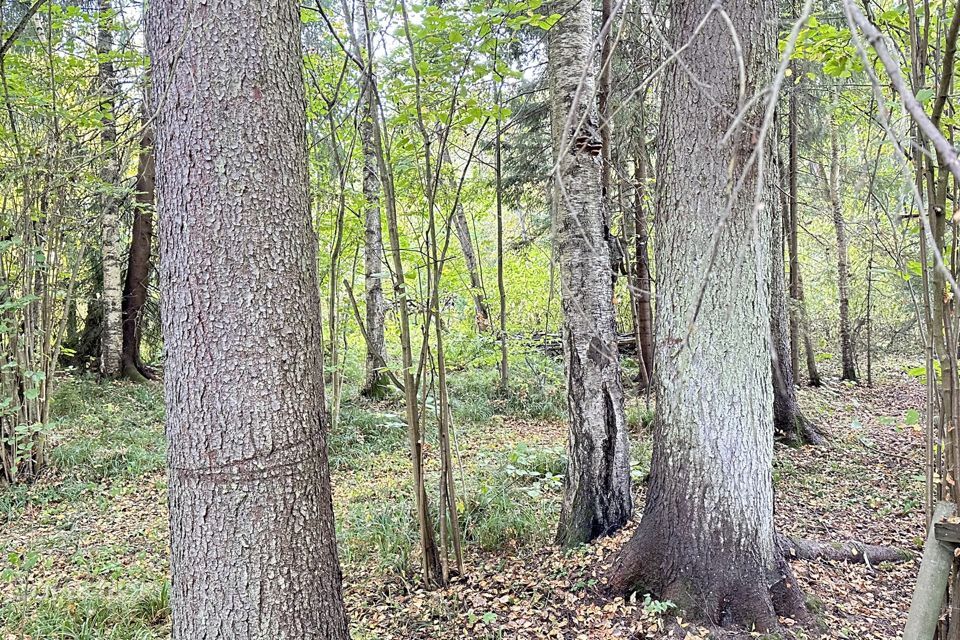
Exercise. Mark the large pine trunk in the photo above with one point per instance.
(706, 540)
(597, 498)
(253, 553)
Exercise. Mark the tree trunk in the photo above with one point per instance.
(375, 380)
(111, 334)
(461, 229)
(135, 288)
(597, 498)
(706, 540)
(253, 553)
(789, 423)
(813, 373)
(501, 286)
(642, 292)
(849, 371)
(794, 244)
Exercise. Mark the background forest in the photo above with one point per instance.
(445, 275)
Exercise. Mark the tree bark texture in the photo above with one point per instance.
(135, 289)
(813, 372)
(706, 540)
(253, 553)
(111, 338)
(597, 498)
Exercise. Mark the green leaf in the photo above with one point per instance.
(925, 95)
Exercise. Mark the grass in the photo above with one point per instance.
(141, 612)
(96, 531)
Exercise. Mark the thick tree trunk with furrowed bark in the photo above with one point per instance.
(253, 553)
(706, 540)
(597, 498)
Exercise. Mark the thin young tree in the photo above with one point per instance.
(597, 498)
(253, 553)
(833, 194)
(706, 540)
(136, 284)
(798, 321)
(641, 271)
(789, 423)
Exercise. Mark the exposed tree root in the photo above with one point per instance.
(800, 431)
(809, 432)
(847, 551)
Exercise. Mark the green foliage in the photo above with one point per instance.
(381, 531)
(514, 501)
(100, 433)
(535, 391)
(363, 434)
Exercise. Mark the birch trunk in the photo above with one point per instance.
(597, 498)
(253, 553)
(375, 380)
(111, 336)
(706, 540)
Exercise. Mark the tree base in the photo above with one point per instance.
(710, 587)
(800, 432)
(376, 388)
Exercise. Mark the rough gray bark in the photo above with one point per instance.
(928, 595)
(111, 334)
(253, 553)
(597, 498)
(706, 540)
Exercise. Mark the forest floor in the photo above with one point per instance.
(84, 550)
